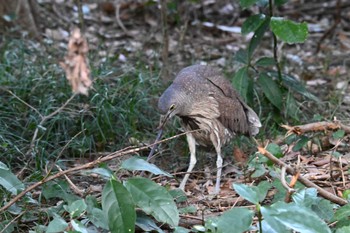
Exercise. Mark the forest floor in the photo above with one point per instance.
(209, 32)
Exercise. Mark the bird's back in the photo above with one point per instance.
(205, 84)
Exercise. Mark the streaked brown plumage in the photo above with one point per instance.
(203, 99)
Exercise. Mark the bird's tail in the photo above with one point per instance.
(253, 121)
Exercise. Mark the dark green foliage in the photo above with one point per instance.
(258, 73)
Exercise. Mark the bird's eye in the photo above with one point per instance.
(172, 107)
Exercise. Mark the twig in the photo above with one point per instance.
(12, 221)
(25, 103)
(109, 157)
(119, 22)
(44, 119)
(72, 185)
(316, 126)
(302, 179)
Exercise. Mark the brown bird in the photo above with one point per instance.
(205, 101)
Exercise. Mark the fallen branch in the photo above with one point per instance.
(109, 157)
(315, 127)
(303, 180)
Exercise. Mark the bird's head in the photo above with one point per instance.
(172, 102)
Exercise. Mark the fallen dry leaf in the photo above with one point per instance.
(76, 63)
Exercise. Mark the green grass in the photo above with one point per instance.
(120, 106)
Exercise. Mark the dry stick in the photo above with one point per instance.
(12, 221)
(111, 156)
(303, 180)
(45, 118)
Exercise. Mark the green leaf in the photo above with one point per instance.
(323, 208)
(188, 209)
(9, 181)
(275, 150)
(79, 227)
(271, 90)
(345, 229)
(270, 224)
(240, 218)
(153, 199)
(58, 189)
(98, 218)
(138, 164)
(296, 217)
(181, 230)
(342, 213)
(339, 134)
(300, 143)
(118, 206)
(257, 37)
(289, 31)
(265, 61)
(57, 225)
(242, 56)
(252, 23)
(76, 208)
(250, 193)
(291, 82)
(247, 3)
(146, 223)
(240, 82)
(178, 195)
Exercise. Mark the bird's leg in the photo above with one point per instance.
(219, 167)
(192, 146)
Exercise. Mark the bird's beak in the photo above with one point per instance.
(164, 119)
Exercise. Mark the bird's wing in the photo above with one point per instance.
(233, 115)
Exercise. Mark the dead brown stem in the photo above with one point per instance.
(303, 180)
(316, 126)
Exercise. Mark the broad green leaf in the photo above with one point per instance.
(118, 206)
(250, 193)
(271, 90)
(178, 195)
(263, 188)
(298, 218)
(57, 225)
(295, 85)
(240, 218)
(270, 224)
(305, 197)
(102, 171)
(9, 181)
(257, 37)
(300, 143)
(146, 223)
(138, 164)
(266, 61)
(275, 150)
(324, 209)
(345, 229)
(98, 218)
(59, 189)
(292, 108)
(252, 23)
(242, 56)
(79, 227)
(289, 31)
(153, 199)
(76, 208)
(181, 230)
(339, 134)
(342, 213)
(188, 209)
(240, 82)
(247, 3)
